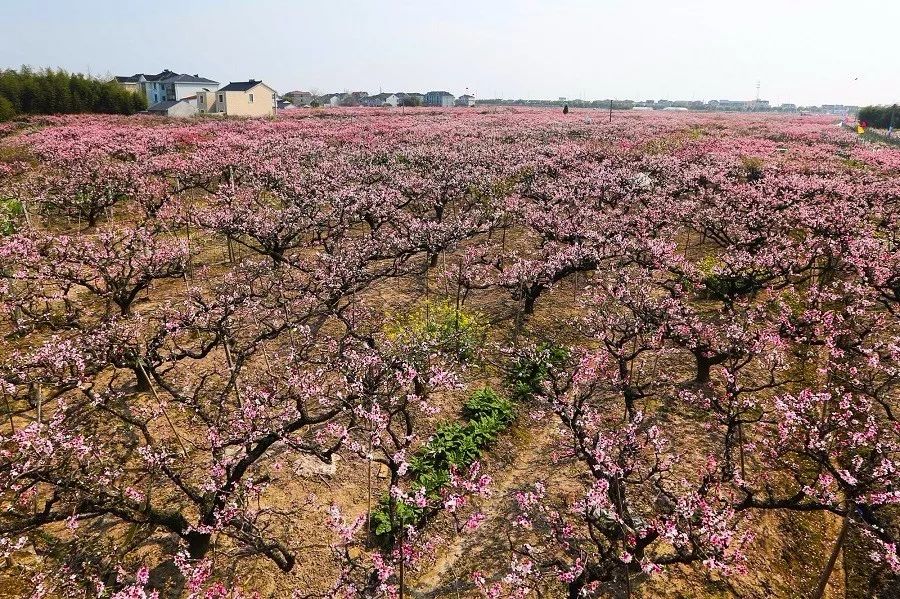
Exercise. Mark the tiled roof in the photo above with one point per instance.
(166, 76)
(189, 79)
(240, 86)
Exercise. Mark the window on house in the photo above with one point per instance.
(251, 98)
(221, 97)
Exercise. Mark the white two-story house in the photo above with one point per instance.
(167, 86)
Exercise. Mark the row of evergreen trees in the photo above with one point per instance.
(880, 116)
(49, 91)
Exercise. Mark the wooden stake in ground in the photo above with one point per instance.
(37, 397)
(27, 214)
(402, 560)
(9, 411)
(231, 369)
(163, 408)
(369, 495)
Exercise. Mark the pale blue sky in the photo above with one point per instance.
(802, 51)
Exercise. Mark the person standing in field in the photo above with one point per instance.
(565, 109)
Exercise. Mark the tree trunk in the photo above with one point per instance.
(198, 544)
(143, 382)
(829, 567)
(704, 365)
(531, 295)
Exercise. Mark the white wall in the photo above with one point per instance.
(185, 90)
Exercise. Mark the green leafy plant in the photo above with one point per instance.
(404, 515)
(7, 110)
(487, 403)
(529, 371)
(880, 116)
(11, 211)
(453, 445)
(485, 431)
(752, 168)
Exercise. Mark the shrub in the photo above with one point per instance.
(529, 371)
(485, 430)
(7, 110)
(49, 91)
(11, 211)
(880, 116)
(486, 403)
(404, 515)
(451, 445)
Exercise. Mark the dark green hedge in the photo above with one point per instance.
(57, 92)
(880, 116)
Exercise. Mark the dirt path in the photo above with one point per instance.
(486, 548)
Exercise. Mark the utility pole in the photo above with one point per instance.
(891, 125)
(610, 111)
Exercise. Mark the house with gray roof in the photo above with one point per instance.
(439, 98)
(167, 86)
(186, 107)
(299, 98)
(244, 98)
(380, 100)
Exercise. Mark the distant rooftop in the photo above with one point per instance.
(240, 86)
(165, 76)
(190, 79)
